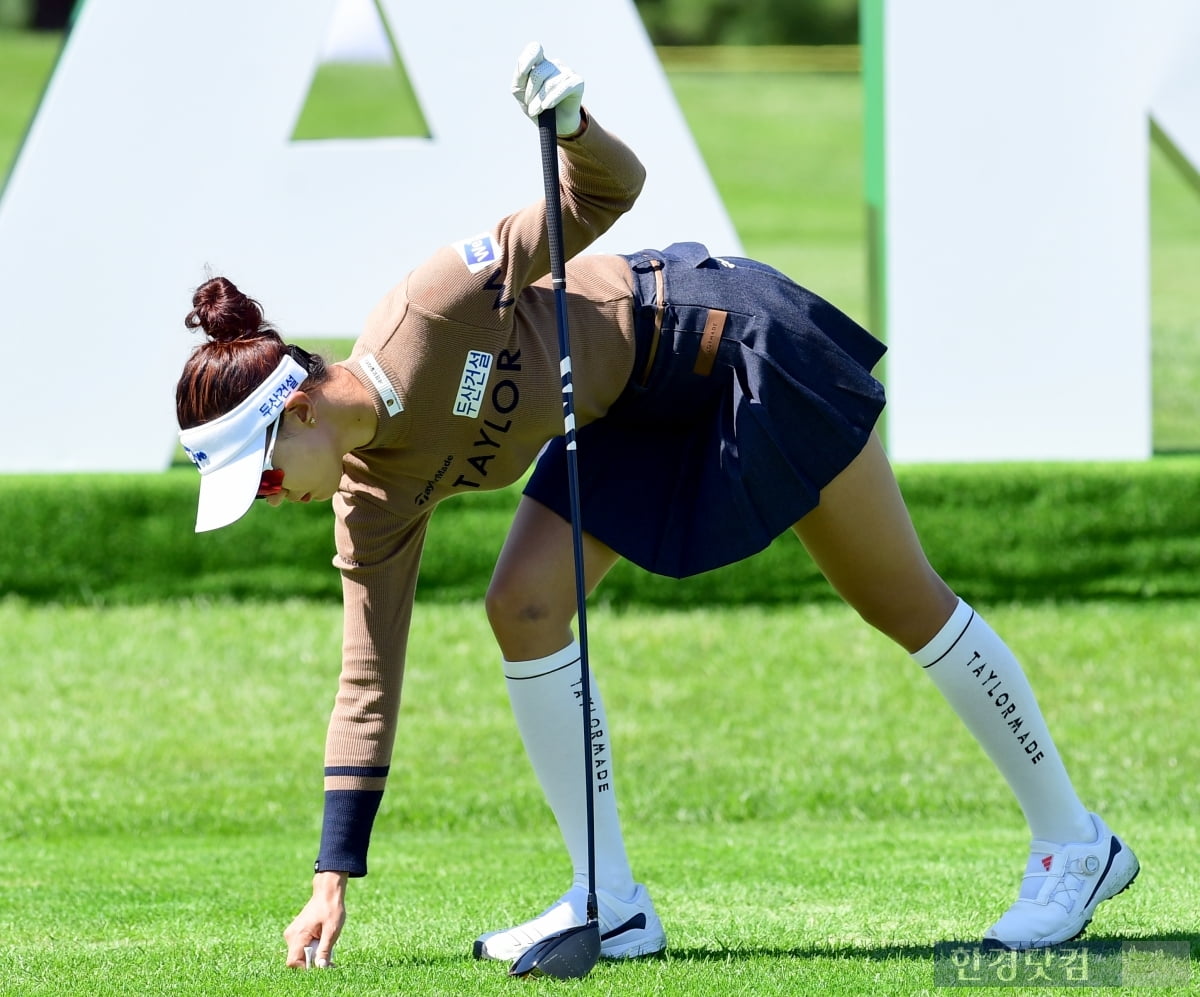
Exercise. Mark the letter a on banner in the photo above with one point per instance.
(163, 146)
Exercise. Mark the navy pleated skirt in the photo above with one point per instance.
(749, 394)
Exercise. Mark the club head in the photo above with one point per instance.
(564, 955)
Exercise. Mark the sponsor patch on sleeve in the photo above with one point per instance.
(478, 252)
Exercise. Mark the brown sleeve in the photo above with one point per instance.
(600, 179)
(378, 587)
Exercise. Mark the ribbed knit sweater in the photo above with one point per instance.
(462, 359)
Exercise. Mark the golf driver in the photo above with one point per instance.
(572, 952)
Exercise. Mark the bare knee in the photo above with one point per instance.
(526, 623)
(912, 616)
(509, 606)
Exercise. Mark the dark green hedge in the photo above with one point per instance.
(750, 22)
(668, 22)
(996, 532)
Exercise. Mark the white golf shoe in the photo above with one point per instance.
(628, 928)
(1063, 886)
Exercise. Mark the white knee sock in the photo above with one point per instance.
(546, 697)
(984, 683)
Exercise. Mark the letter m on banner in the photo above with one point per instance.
(1009, 200)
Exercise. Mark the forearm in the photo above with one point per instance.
(346, 828)
(358, 749)
(377, 597)
(602, 177)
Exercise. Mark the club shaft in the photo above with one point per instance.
(548, 135)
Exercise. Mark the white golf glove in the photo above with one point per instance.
(540, 83)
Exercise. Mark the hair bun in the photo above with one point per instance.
(225, 313)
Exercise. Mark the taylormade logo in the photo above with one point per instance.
(1003, 702)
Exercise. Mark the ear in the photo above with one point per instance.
(301, 406)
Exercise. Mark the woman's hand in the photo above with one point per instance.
(540, 84)
(320, 921)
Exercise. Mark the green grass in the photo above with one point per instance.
(351, 100)
(26, 59)
(1175, 262)
(785, 151)
(816, 823)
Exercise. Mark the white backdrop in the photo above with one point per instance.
(1016, 211)
(162, 146)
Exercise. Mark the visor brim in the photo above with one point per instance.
(227, 492)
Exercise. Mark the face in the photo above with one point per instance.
(310, 463)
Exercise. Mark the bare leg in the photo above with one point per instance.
(531, 603)
(531, 599)
(862, 539)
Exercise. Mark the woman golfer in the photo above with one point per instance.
(719, 404)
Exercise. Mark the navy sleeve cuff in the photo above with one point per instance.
(346, 830)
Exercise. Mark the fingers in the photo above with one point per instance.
(310, 946)
(540, 84)
(297, 957)
(311, 935)
(546, 87)
(530, 56)
(313, 953)
(318, 955)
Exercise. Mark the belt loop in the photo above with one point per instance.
(660, 304)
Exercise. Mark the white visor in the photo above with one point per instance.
(229, 450)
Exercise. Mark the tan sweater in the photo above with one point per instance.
(462, 357)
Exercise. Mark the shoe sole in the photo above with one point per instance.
(650, 944)
(654, 945)
(650, 950)
(1045, 943)
(641, 950)
(637, 950)
(1116, 893)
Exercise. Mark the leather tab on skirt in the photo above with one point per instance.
(714, 329)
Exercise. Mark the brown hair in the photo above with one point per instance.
(240, 353)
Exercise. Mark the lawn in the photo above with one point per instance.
(807, 812)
